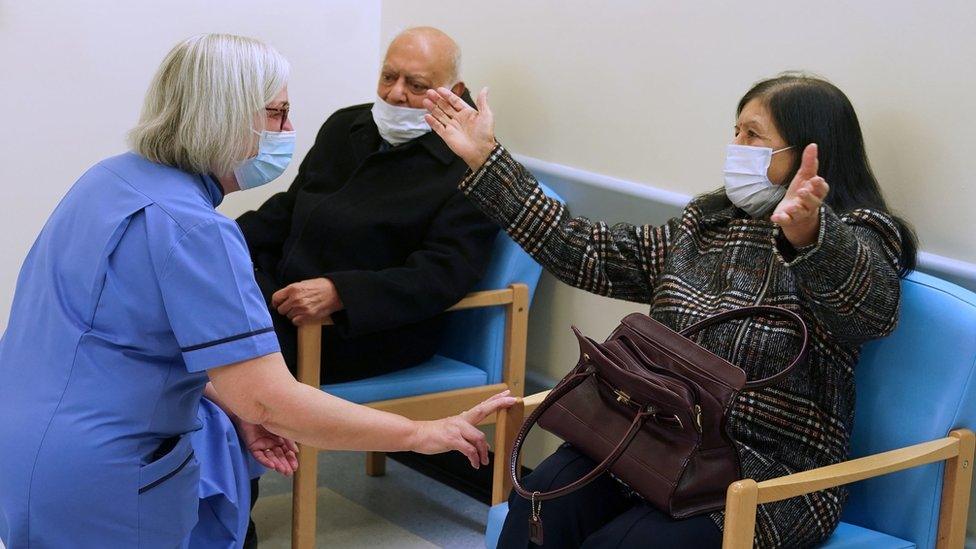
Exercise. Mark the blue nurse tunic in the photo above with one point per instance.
(134, 288)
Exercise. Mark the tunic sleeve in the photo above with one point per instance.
(214, 306)
(621, 261)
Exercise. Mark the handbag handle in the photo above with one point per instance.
(746, 312)
(557, 393)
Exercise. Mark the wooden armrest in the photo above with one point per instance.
(487, 298)
(474, 300)
(507, 428)
(956, 450)
(846, 472)
(532, 402)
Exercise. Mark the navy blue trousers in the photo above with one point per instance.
(599, 515)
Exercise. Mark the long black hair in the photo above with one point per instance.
(808, 109)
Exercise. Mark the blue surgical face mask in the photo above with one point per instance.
(275, 150)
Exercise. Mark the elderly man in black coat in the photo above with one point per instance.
(373, 237)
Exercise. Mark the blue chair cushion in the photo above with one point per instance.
(437, 374)
(846, 536)
(849, 536)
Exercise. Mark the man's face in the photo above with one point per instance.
(413, 65)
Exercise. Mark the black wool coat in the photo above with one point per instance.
(389, 227)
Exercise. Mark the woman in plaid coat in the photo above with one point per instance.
(801, 223)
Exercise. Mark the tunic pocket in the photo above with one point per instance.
(169, 496)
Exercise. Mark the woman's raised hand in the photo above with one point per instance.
(798, 214)
(459, 432)
(468, 132)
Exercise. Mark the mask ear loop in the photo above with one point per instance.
(783, 149)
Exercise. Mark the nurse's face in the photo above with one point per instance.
(276, 113)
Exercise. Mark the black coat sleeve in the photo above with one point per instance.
(452, 258)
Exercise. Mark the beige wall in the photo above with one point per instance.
(74, 75)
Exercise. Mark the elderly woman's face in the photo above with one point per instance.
(276, 113)
(755, 128)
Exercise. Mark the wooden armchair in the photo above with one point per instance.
(481, 353)
(956, 450)
(514, 300)
(910, 483)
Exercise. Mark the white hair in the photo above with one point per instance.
(456, 66)
(202, 106)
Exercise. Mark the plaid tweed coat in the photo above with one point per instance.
(715, 258)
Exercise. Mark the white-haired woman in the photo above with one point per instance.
(135, 294)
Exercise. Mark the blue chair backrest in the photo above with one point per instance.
(477, 336)
(913, 386)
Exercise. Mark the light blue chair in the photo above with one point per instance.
(913, 389)
(481, 353)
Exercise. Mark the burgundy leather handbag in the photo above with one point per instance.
(651, 406)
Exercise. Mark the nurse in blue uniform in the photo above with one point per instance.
(135, 295)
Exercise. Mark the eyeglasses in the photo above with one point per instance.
(279, 113)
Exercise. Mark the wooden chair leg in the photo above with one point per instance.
(375, 464)
(516, 336)
(506, 429)
(740, 514)
(305, 483)
(304, 499)
(956, 482)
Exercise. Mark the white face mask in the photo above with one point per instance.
(398, 124)
(746, 182)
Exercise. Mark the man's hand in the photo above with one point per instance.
(308, 301)
(469, 133)
(798, 214)
(272, 451)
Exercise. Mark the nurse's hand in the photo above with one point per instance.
(270, 450)
(308, 302)
(468, 132)
(459, 432)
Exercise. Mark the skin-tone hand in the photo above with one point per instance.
(274, 452)
(459, 432)
(468, 132)
(798, 214)
(308, 301)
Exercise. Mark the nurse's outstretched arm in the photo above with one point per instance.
(263, 391)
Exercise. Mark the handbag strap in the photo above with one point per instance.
(557, 393)
(746, 312)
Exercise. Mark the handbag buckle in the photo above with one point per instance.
(623, 397)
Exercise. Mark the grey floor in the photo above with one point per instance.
(403, 499)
